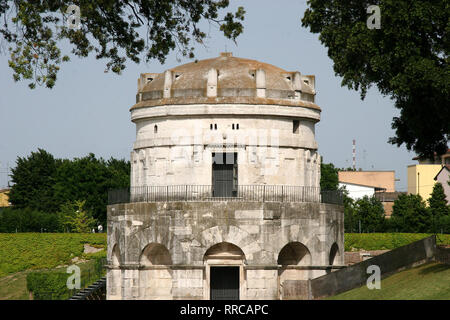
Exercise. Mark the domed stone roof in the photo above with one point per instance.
(226, 79)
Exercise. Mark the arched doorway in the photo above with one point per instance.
(155, 276)
(224, 272)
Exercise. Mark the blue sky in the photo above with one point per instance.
(88, 110)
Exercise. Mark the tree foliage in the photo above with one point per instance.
(76, 218)
(44, 183)
(439, 209)
(112, 30)
(410, 214)
(438, 201)
(328, 177)
(406, 59)
(33, 180)
(89, 179)
(364, 215)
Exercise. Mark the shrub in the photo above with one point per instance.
(52, 285)
(48, 285)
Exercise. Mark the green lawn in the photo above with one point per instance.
(21, 253)
(427, 282)
(386, 241)
(14, 286)
(30, 251)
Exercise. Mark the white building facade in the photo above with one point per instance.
(358, 191)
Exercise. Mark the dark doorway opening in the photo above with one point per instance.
(224, 283)
(224, 174)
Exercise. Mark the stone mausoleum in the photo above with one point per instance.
(225, 201)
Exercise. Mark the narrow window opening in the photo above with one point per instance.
(296, 126)
(211, 126)
(215, 126)
(155, 129)
(232, 126)
(237, 126)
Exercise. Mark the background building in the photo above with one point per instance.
(421, 179)
(357, 191)
(380, 184)
(443, 177)
(442, 160)
(378, 179)
(387, 199)
(225, 200)
(4, 198)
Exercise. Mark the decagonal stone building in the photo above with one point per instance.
(225, 200)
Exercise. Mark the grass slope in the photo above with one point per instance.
(427, 282)
(30, 251)
(14, 287)
(386, 241)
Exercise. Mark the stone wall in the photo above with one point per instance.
(354, 276)
(159, 250)
(392, 261)
(443, 255)
(358, 256)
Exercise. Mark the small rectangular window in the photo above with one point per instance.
(296, 126)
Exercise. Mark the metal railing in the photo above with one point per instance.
(258, 193)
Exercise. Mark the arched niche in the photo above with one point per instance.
(334, 253)
(115, 256)
(155, 275)
(294, 253)
(114, 276)
(155, 254)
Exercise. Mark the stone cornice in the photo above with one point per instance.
(199, 110)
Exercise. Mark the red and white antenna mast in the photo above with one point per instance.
(354, 154)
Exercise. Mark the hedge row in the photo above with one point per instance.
(52, 285)
(386, 241)
(29, 220)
